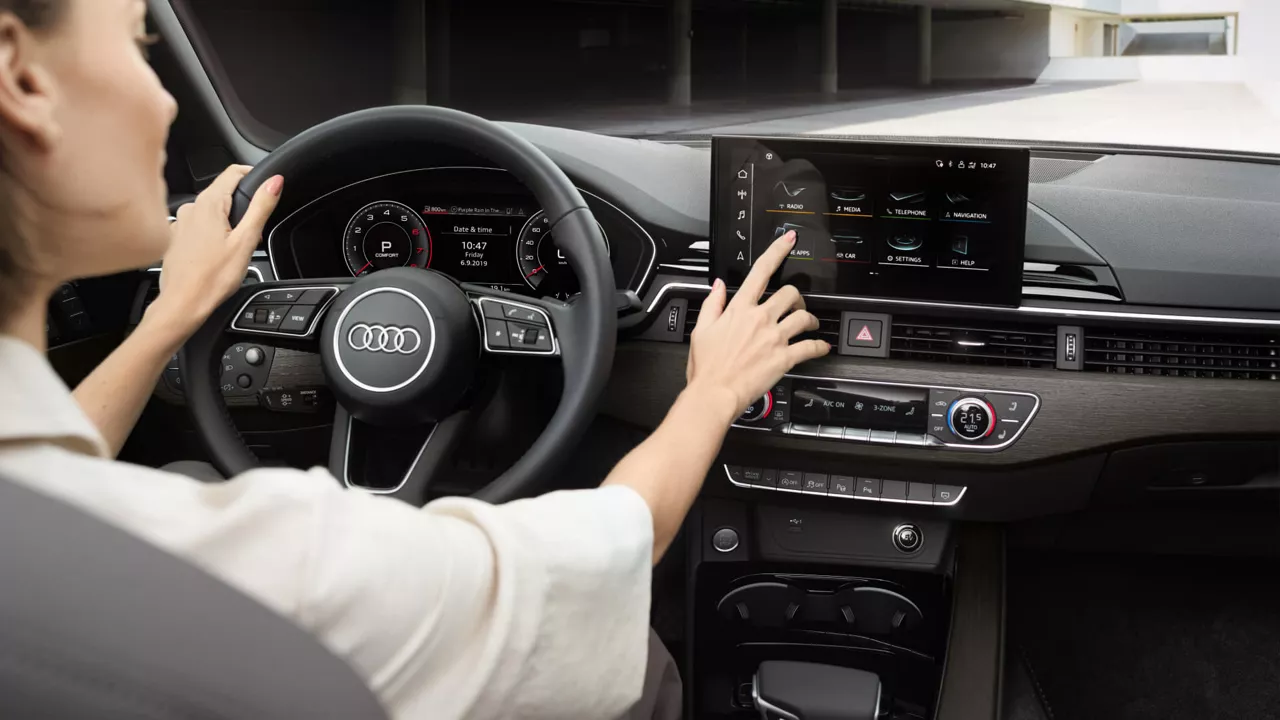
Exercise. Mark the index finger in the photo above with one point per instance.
(766, 265)
(225, 184)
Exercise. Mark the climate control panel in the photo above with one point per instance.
(884, 413)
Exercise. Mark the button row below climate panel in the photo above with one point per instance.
(877, 437)
(846, 486)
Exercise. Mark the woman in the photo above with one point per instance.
(535, 608)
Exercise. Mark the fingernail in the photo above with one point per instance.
(717, 284)
(275, 185)
(791, 234)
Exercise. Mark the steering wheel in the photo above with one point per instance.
(401, 346)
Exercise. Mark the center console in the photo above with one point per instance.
(823, 586)
(885, 413)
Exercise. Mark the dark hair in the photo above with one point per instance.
(15, 258)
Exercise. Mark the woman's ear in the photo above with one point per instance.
(26, 88)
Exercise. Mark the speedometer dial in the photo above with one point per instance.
(386, 234)
(543, 266)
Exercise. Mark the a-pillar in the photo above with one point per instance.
(410, 76)
(830, 80)
(438, 69)
(924, 77)
(680, 77)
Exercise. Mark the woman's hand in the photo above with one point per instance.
(738, 352)
(207, 258)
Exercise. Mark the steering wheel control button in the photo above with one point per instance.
(244, 381)
(946, 494)
(792, 480)
(298, 319)
(254, 356)
(907, 538)
(276, 297)
(893, 490)
(842, 485)
(523, 314)
(868, 489)
(814, 484)
(971, 419)
(725, 540)
(496, 335)
(920, 492)
(528, 337)
(315, 297)
(261, 317)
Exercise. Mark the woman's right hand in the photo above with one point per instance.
(207, 258)
(739, 351)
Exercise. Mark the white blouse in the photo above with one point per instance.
(535, 608)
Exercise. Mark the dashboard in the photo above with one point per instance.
(1129, 354)
(474, 224)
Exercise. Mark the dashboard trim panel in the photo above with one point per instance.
(1028, 309)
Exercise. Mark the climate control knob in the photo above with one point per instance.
(758, 410)
(971, 419)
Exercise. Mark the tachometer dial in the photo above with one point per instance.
(386, 234)
(543, 266)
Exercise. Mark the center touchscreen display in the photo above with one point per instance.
(917, 222)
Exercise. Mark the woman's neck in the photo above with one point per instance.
(27, 323)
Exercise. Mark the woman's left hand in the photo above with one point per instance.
(207, 258)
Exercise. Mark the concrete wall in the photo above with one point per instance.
(1260, 49)
(992, 49)
(1181, 7)
(1155, 68)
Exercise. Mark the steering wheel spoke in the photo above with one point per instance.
(396, 461)
(518, 325)
(285, 314)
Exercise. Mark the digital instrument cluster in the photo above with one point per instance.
(505, 245)
(476, 225)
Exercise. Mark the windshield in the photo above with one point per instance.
(1199, 74)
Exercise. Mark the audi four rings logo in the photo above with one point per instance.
(384, 338)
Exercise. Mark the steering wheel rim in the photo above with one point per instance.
(587, 328)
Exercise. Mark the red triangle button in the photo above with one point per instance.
(864, 335)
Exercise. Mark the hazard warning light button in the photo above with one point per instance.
(865, 333)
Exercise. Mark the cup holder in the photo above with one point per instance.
(857, 610)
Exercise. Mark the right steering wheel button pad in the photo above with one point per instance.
(515, 329)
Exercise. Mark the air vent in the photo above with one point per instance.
(1217, 355)
(828, 323)
(973, 342)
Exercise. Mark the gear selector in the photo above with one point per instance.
(784, 690)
